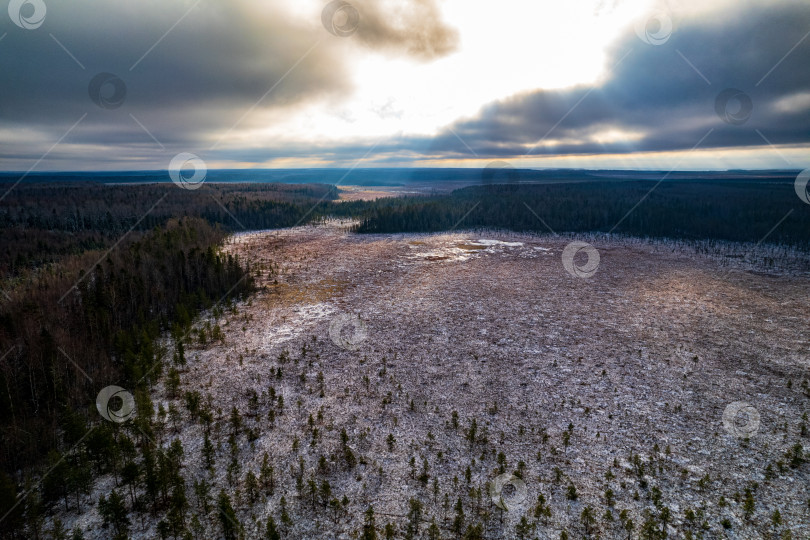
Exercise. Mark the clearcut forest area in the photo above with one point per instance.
(292, 363)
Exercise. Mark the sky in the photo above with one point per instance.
(621, 84)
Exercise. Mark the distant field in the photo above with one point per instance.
(360, 193)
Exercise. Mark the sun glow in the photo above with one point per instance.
(548, 45)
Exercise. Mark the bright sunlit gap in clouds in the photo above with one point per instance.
(502, 50)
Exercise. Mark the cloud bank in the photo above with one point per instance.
(188, 75)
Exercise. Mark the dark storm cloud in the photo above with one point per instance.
(218, 56)
(197, 81)
(191, 70)
(653, 92)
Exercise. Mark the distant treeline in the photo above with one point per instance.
(41, 223)
(742, 211)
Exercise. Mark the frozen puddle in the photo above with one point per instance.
(455, 250)
(494, 243)
(444, 254)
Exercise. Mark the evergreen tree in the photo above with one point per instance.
(523, 529)
(588, 520)
(9, 508)
(34, 511)
(433, 531)
(58, 531)
(474, 532)
(208, 452)
(178, 504)
(285, 517)
(326, 492)
(472, 432)
(272, 531)
(202, 490)
(131, 477)
(251, 487)
(55, 484)
(180, 354)
(231, 528)
(266, 477)
(748, 504)
(113, 512)
(458, 520)
(414, 516)
(369, 526)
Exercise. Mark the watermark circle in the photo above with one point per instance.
(656, 28)
(499, 172)
(801, 186)
(340, 18)
(179, 164)
(733, 106)
(352, 340)
(107, 410)
(741, 419)
(107, 91)
(28, 21)
(507, 491)
(588, 269)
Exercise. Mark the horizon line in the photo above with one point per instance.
(270, 169)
